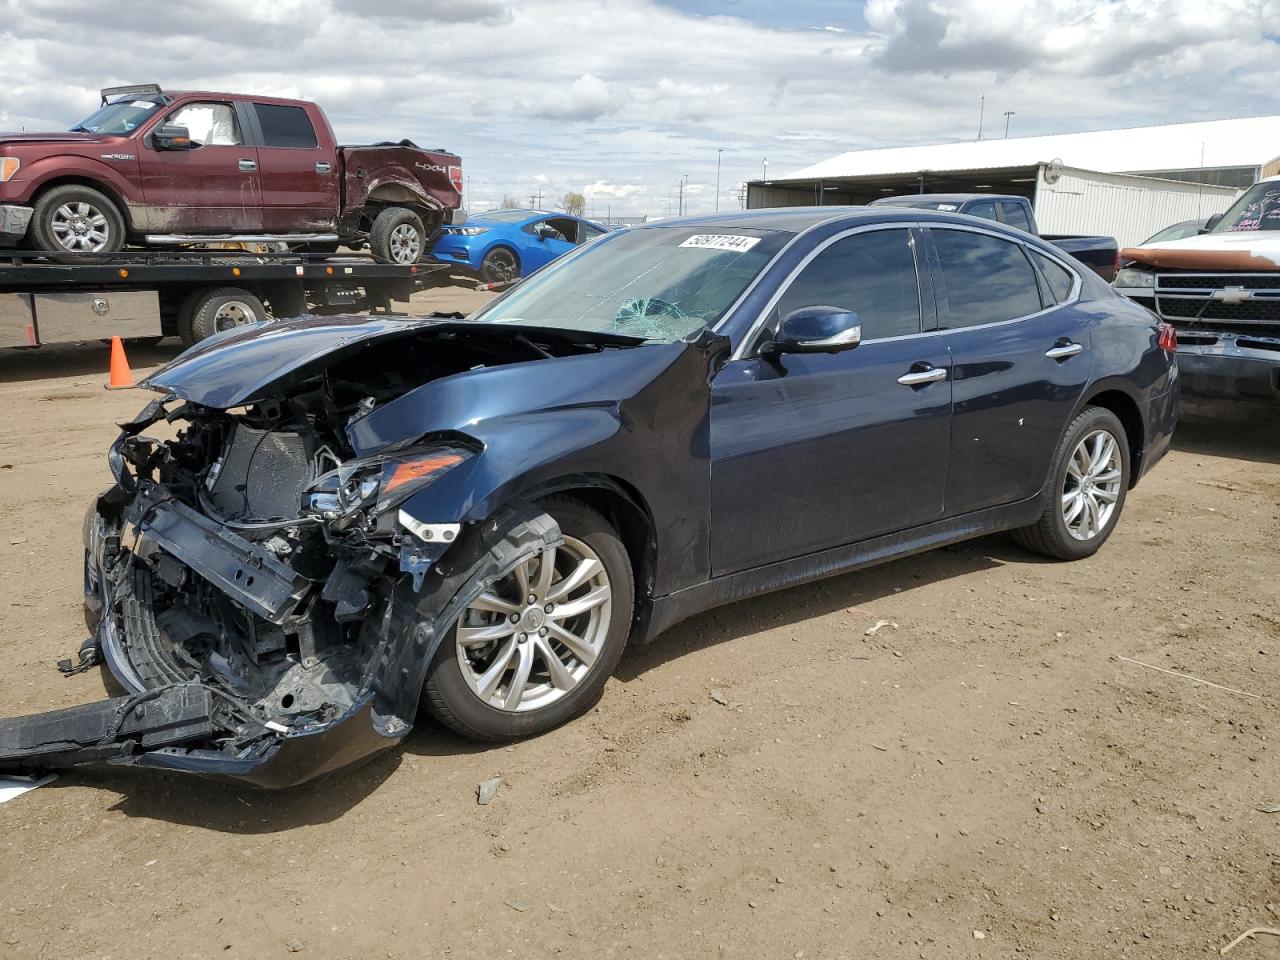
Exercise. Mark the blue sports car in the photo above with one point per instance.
(505, 244)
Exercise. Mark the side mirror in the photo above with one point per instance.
(817, 329)
(170, 136)
(1211, 223)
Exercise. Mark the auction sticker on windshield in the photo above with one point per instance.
(721, 241)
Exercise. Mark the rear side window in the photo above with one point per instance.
(984, 279)
(873, 274)
(1015, 215)
(285, 126)
(986, 209)
(1060, 279)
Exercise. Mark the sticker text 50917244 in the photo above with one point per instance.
(721, 241)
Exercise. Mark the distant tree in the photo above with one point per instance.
(510, 203)
(574, 203)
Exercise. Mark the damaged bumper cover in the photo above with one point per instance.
(241, 659)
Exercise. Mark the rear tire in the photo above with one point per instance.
(545, 698)
(213, 311)
(76, 224)
(1087, 488)
(398, 236)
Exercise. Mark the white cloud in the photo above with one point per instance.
(621, 99)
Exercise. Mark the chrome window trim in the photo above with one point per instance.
(741, 350)
(1073, 297)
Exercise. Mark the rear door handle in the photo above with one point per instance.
(918, 378)
(248, 165)
(1062, 349)
(322, 167)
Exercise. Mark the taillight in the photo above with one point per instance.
(1168, 338)
(455, 176)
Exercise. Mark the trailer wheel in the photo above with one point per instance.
(70, 222)
(212, 311)
(398, 236)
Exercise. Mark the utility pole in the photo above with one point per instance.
(982, 109)
(719, 150)
(686, 193)
(765, 174)
(680, 196)
(1007, 115)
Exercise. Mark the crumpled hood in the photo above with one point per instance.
(52, 136)
(1245, 250)
(246, 363)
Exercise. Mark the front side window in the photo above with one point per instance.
(208, 124)
(655, 283)
(588, 232)
(984, 279)
(872, 274)
(285, 126)
(986, 209)
(1015, 215)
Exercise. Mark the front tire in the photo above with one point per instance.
(1087, 488)
(535, 649)
(398, 236)
(500, 265)
(72, 223)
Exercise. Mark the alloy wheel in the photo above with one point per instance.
(534, 634)
(1091, 488)
(405, 244)
(80, 227)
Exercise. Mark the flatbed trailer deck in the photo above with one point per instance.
(188, 294)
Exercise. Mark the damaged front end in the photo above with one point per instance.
(255, 586)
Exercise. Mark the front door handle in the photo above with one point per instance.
(918, 378)
(1062, 349)
(248, 165)
(322, 167)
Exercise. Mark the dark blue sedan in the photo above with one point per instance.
(503, 245)
(362, 515)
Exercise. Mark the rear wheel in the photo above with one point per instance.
(499, 265)
(1088, 484)
(72, 221)
(398, 236)
(222, 309)
(536, 647)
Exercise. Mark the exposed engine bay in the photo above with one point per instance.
(256, 568)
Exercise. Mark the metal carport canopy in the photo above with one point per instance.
(828, 191)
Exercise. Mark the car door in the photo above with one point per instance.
(811, 451)
(550, 237)
(212, 187)
(1020, 360)
(300, 190)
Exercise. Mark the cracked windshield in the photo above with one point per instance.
(659, 284)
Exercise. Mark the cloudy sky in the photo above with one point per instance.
(620, 100)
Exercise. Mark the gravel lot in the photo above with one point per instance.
(983, 778)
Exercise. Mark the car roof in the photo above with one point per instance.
(798, 219)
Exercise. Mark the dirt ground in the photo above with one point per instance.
(985, 777)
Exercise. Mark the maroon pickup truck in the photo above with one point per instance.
(169, 169)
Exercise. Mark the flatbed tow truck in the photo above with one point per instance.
(188, 294)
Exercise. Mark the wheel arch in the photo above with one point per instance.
(1117, 397)
(82, 180)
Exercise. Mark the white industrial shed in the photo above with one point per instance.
(1127, 183)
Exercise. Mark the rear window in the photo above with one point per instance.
(1015, 215)
(984, 279)
(285, 126)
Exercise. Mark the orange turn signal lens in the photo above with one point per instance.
(409, 470)
(8, 167)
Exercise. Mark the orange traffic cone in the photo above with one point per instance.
(121, 376)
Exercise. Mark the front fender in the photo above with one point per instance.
(47, 169)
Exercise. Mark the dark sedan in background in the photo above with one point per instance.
(360, 516)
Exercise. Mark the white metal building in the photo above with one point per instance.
(1126, 183)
